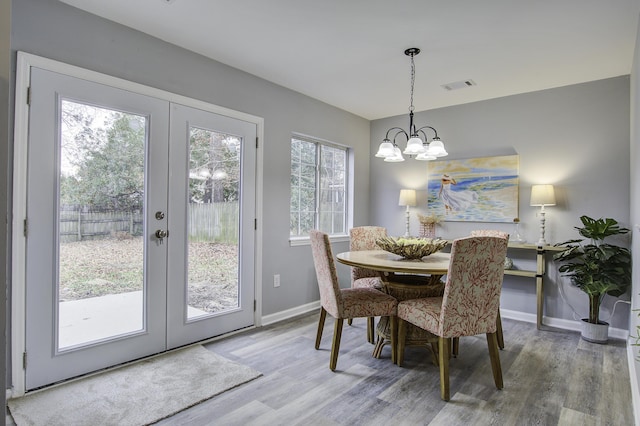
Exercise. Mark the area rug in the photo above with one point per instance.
(137, 394)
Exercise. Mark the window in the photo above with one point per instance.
(318, 187)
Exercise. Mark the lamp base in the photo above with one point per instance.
(541, 241)
(408, 216)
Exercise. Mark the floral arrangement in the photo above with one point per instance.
(428, 225)
(431, 219)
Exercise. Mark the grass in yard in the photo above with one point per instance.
(112, 266)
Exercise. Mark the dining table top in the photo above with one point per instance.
(380, 260)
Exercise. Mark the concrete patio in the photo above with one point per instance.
(97, 318)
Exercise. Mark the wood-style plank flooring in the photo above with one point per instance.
(551, 377)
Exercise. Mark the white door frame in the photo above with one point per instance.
(21, 125)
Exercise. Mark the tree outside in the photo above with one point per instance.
(102, 169)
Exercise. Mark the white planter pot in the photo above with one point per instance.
(595, 333)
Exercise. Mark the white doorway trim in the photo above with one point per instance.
(25, 62)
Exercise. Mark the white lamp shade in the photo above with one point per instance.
(543, 195)
(385, 150)
(407, 197)
(414, 146)
(436, 148)
(396, 157)
(425, 156)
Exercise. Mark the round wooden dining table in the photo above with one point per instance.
(384, 261)
(403, 279)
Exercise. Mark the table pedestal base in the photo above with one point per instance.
(406, 287)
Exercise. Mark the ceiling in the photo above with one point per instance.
(350, 53)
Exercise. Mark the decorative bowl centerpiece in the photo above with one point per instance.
(411, 248)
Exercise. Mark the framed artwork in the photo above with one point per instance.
(474, 190)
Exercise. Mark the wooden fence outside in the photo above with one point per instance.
(217, 222)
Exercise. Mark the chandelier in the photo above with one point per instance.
(418, 144)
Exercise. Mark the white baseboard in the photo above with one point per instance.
(564, 324)
(517, 315)
(290, 313)
(616, 333)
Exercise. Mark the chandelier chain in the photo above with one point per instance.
(413, 79)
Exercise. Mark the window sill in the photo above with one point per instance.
(305, 241)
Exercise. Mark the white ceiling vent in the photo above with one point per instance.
(459, 85)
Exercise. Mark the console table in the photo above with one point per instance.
(538, 274)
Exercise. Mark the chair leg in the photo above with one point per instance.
(499, 331)
(394, 338)
(402, 335)
(434, 353)
(494, 354)
(335, 346)
(444, 345)
(371, 330)
(323, 315)
(455, 347)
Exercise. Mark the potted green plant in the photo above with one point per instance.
(597, 268)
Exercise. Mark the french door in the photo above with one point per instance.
(211, 174)
(139, 230)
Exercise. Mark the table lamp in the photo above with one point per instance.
(542, 195)
(407, 198)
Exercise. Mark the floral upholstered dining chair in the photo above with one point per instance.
(345, 303)
(499, 335)
(468, 307)
(364, 238)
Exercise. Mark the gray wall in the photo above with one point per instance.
(57, 31)
(575, 137)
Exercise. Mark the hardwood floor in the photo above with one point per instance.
(551, 377)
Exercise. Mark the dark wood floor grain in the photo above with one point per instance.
(551, 377)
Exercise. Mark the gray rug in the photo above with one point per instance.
(136, 394)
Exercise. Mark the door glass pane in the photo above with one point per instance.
(213, 222)
(100, 228)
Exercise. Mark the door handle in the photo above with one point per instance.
(161, 234)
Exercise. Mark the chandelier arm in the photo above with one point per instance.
(427, 127)
(399, 130)
(424, 136)
(398, 133)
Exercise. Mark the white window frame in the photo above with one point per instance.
(341, 237)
